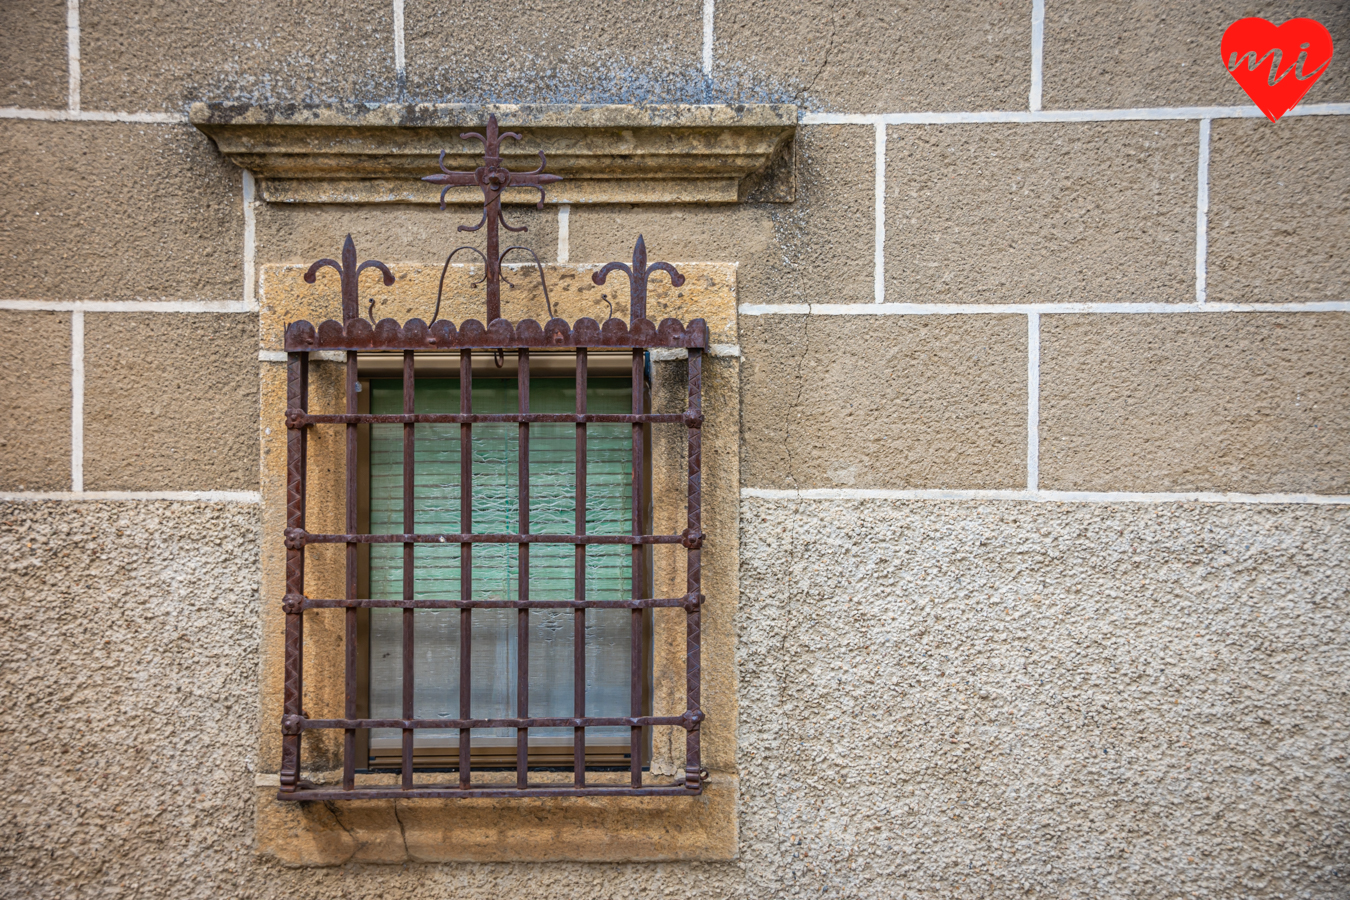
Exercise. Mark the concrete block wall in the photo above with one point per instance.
(1045, 420)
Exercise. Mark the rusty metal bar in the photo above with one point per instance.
(681, 721)
(297, 397)
(465, 556)
(443, 792)
(350, 637)
(693, 767)
(523, 591)
(639, 581)
(493, 212)
(299, 536)
(686, 602)
(410, 524)
(484, 418)
(579, 589)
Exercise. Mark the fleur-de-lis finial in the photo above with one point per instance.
(349, 272)
(637, 279)
(494, 180)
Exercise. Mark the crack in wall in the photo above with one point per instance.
(785, 605)
(403, 834)
(824, 63)
(337, 820)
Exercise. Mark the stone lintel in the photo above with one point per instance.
(378, 153)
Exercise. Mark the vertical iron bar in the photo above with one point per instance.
(465, 555)
(409, 526)
(636, 673)
(493, 213)
(579, 616)
(304, 505)
(297, 397)
(349, 640)
(523, 592)
(693, 766)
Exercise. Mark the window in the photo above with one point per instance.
(500, 512)
(494, 662)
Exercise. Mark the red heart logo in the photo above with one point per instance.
(1275, 66)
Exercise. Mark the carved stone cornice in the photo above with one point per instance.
(377, 153)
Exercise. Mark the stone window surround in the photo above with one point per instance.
(598, 829)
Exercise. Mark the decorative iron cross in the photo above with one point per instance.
(494, 179)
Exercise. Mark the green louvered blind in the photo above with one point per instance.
(495, 566)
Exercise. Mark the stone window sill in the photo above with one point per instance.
(578, 829)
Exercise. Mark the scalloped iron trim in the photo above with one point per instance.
(415, 334)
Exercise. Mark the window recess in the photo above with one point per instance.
(553, 639)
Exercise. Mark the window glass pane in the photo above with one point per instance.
(496, 566)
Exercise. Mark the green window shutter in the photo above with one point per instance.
(496, 566)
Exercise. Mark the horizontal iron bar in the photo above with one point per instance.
(297, 419)
(294, 536)
(558, 722)
(648, 603)
(444, 792)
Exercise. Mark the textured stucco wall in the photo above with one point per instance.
(1009, 699)
(938, 699)
(950, 683)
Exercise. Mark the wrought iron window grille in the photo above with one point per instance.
(356, 334)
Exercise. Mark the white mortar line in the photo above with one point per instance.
(796, 309)
(708, 37)
(564, 231)
(1202, 214)
(879, 274)
(212, 496)
(73, 54)
(314, 355)
(66, 115)
(1037, 52)
(131, 306)
(1189, 497)
(878, 494)
(966, 309)
(400, 67)
(1033, 401)
(1066, 115)
(250, 240)
(77, 400)
(1046, 496)
(820, 118)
